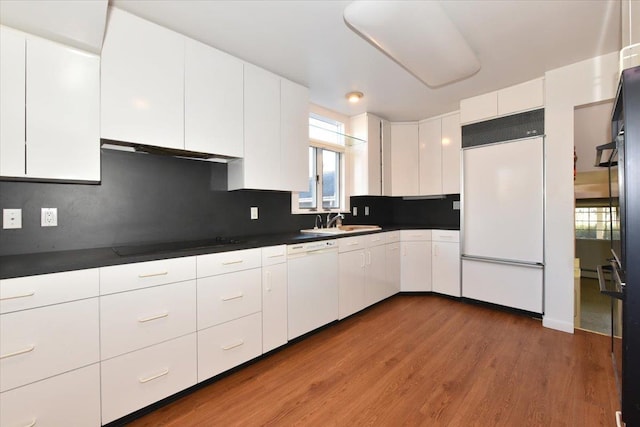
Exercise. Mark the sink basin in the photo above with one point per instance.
(343, 229)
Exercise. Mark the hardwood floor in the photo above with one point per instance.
(416, 361)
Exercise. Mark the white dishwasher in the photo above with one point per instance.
(313, 286)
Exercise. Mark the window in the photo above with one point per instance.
(326, 167)
(595, 223)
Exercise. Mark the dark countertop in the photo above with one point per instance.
(54, 262)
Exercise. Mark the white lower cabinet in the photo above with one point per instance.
(39, 343)
(392, 262)
(137, 319)
(135, 380)
(415, 261)
(362, 274)
(72, 398)
(446, 262)
(274, 297)
(230, 344)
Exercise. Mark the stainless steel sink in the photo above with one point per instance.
(342, 229)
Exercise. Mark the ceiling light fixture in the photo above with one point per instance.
(354, 97)
(418, 35)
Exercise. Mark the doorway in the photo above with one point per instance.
(593, 219)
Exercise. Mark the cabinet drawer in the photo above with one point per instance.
(127, 277)
(37, 291)
(137, 319)
(354, 243)
(68, 399)
(135, 380)
(415, 235)
(227, 262)
(274, 255)
(376, 239)
(222, 347)
(445, 235)
(228, 296)
(392, 236)
(47, 341)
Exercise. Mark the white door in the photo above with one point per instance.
(404, 159)
(376, 287)
(446, 268)
(274, 306)
(351, 278)
(430, 146)
(415, 266)
(451, 152)
(294, 143)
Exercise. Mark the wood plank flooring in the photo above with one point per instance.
(416, 361)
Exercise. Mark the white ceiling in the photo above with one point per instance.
(308, 42)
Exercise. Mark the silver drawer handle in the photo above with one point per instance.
(353, 244)
(276, 255)
(233, 262)
(30, 294)
(153, 377)
(156, 317)
(19, 352)
(143, 276)
(394, 248)
(229, 347)
(240, 295)
(32, 423)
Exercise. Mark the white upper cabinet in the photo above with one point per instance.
(451, 149)
(294, 144)
(366, 160)
(260, 167)
(514, 99)
(276, 134)
(12, 101)
(430, 150)
(404, 159)
(479, 108)
(213, 101)
(522, 97)
(142, 82)
(49, 115)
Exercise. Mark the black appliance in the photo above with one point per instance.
(625, 129)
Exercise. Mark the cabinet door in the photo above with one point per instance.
(376, 288)
(133, 320)
(351, 282)
(63, 112)
(446, 268)
(135, 380)
(260, 167)
(294, 144)
(479, 108)
(524, 96)
(142, 79)
(39, 343)
(274, 306)
(64, 400)
(416, 266)
(392, 282)
(213, 90)
(430, 145)
(451, 146)
(404, 159)
(12, 99)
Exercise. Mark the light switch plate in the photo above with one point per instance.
(11, 218)
(355, 211)
(254, 212)
(366, 211)
(49, 217)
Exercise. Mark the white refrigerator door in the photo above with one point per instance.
(503, 201)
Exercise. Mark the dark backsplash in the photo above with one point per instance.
(149, 198)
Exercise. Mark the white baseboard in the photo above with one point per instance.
(558, 325)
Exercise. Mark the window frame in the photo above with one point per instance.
(342, 151)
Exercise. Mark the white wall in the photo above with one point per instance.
(581, 83)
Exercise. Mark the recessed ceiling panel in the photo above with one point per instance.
(418, 35)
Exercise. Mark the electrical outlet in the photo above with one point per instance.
(254, 212)
(366, 211)
(49, 217)
(456, 205)
(11, 218)
(355, 211)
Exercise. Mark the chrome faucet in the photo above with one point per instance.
(337, 219)
(315, 225)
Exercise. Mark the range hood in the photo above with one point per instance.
(173, 152)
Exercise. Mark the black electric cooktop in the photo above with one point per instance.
(157, 248)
